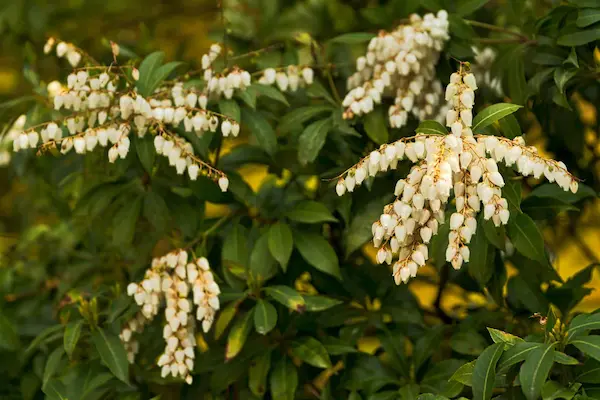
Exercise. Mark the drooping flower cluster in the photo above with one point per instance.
(179, 284)
(458, 163)
(400, 64)
(14, 137)
(289, 78)
(64, 49)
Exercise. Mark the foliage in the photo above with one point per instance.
(301, 295)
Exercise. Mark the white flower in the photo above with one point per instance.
(223, 183)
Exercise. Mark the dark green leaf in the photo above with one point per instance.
(353, 38)
(310, 212)
(312, 139)
(300, 115)
(286, 296)
(553, 390)
(527, 238)
(224, 317)
(583, 323)
(579, 38)
(545, 208)
(464, 374)
(265, 317)
(53, 364)
(156, 210)
(284, 380)
(147, 69)
(112, 353)
(258, 372)
(572, 59)
(72, 334)
(431, 127)
(553, 191)
(515, 354)
(495, 235)
(281, 243)
(262, 264)
(317, 252)
(146, 152)
(589, 372)
(480, 264)
(238, 335)
(562, 76)
(320, 303)
(375, 126)
(589, 345)
(161, 73)
(484, 373)
(311, 351)
(535, 370)
(9, 340)
(466, 7)
(124, 222)
(491, 114)
(564, 359)
(588, 16)
(261, 130)
(499, 336)
(510, 126)
(230, 108)
(270, 92)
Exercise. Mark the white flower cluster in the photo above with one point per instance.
(180, 284)
(64, 49)
(288, 79)
(104, 109)
(400, 64)
(17, 137)
(458, 162)
(222, 84)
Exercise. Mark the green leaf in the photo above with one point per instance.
(540, 208)
(589, 372)
(231, 109)
(9, 339)
(527, 238)
(353, 38)
(262, 130)
(517, 86)
(484, 373)
(564, 359)
(300, 115)
(572, 59)
(587, 16)
(562, 76)
(516, 354)
(583, 323)
(265, 317)
(318, 91)
(53, 364)
(310, 212)
(145, 152)
(495, 235)
(284, 380)
(536, 82)
(579, 38)
(553, 390)
(147, 69)
(235, 247)
(312, 139)
(499, 336)
(286, 296)
(320, 303)
(270, 92)
(72, 335)
(318, 252)
(112, 353)
(124, 222)
(258, 372)
(375, 126)
(468, 342)
(430, 127)
(248, 96)
(359, 231)
(281, 243)
(238, 335)
(510, 126)
(535, 370)
(466, 7)
(491, 114)
(512, 192)
(550, 190)
(225, 316)
(156, 210)
(480, 264)
(312, 352)
(464, 374)
(589, 345)
(162, 73)
(262, 264)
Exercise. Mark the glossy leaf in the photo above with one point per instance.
(535, 370)
(261, 130)
(310, 212)
(265, 317)
(281, 243)
(589, 345)
(311, 351)
(484, 373)
(238, 335)
(284, 380)
(491, 114)
(376, 127)
(312, 139)
(317, 252)
(527, 238)
(112, 353)
(72, 335)
(286, 296)
(431, 127)
(258, 372)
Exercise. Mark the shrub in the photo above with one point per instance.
(148, 263)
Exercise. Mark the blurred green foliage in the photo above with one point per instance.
(314, 317)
